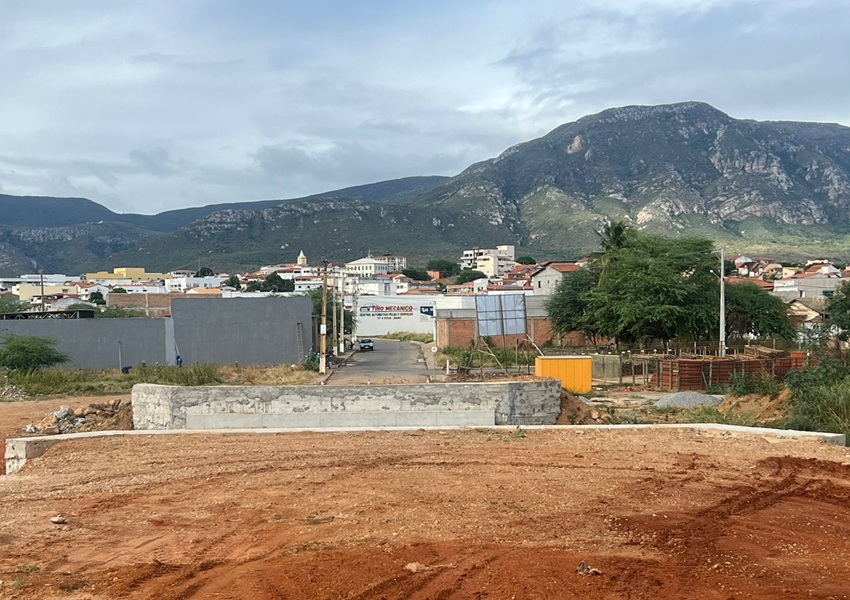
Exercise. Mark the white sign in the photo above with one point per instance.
(380, 315)
(323, 329)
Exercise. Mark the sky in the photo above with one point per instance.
(153, 105)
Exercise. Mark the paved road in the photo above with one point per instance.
(389, 362)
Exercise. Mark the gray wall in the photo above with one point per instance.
(94, 343)
(248, 331)
(520, 403)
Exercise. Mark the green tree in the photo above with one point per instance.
(417, 274)
(10, 305)
(118, 290)
(468, 275)
(204, 272)
(275, 283)
(526, 260)
(81, 306)
(838, 308)
(750, 310)
(445, 267)
(97, 298)
(254, 286)
(30, 353)
(568, 306)
(657, 288)
(613, 237)
(233, 281)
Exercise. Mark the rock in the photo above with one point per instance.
(31, 428)
(96, 406)
(594, 415)
(89, 411)
(58, 520)
(415, 567)
(50, 430)
(79, 412)
(48, 421)
(686, 400)
(586, 569)
(62, 413)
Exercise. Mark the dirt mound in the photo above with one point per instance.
(576, 412)
(765, 409)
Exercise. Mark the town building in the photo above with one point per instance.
(125, 276)
(366, 267)
(544, 281)
(184, 284)
(395, 262)
(493, 262)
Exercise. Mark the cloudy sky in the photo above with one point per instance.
(150, 105)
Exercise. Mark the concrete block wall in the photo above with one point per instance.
(474, 404)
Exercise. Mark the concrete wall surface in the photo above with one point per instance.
(248, 331)
(519, 403)
(94, 343)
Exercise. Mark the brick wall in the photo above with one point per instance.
(459, 332)
(696, 374)
(154, 305)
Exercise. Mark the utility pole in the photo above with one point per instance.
(722, 348)
(324, 327)
(342, 315)
(335, 334)
(41, 276)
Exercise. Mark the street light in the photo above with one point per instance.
(722, 343)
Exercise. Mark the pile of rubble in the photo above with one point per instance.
(11, 392)
(111, 413)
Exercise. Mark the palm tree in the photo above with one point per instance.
(613, 237)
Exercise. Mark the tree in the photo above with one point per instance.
(657, 288)
(750, 310)
(81, 306)
(204, 272)
(446, 267)
(275, 283)
(30, 353)
(10, 305)
(468, 275)
(526, 260)
(233, 281)
(118, 290)
(416, 274)
(613, 237)
(97, 298)
(254, 286)
(568, 307)
(838, 307)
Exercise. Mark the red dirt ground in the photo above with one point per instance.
(661, 514)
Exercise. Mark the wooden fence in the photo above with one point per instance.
(698, 374)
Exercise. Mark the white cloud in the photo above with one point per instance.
(152, 105)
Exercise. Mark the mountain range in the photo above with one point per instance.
(780, 189)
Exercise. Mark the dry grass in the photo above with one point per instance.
(266, 375)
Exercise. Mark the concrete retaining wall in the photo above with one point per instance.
(472, 404)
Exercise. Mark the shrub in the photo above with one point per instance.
(822, 408)
(741, 384)
(30, 353)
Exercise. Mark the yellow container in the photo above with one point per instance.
(573, 371)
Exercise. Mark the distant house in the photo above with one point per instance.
(807, 311)
(366, 267)
(547, 278)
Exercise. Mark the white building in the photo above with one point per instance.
(86, 288)
(493, 262)
(543, 282)
(395, 262)
(142, 288)
(184, 284)
(366, 267)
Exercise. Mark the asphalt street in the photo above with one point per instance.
(390, 362)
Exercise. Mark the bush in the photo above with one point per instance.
(822, 408)
(741, 384)
(30, 353)
(407, 336)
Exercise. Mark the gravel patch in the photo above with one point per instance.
(687, 400)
